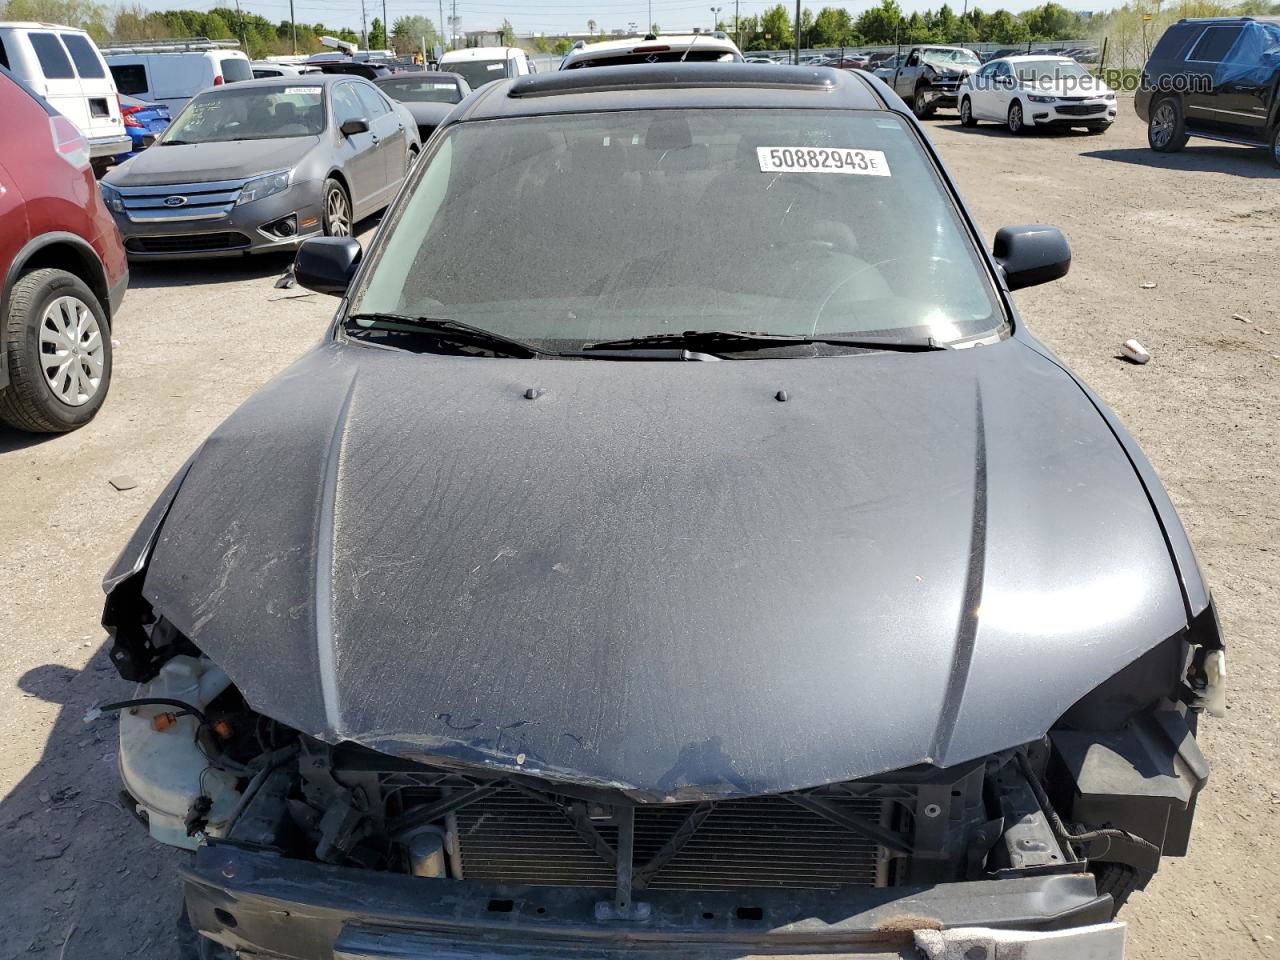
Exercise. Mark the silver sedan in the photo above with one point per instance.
(260, 165)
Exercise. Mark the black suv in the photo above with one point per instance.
(1214, 78)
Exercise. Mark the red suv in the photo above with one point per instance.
(62, 266)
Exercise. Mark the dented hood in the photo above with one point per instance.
(659, 577)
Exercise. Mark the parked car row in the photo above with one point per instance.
(64, 66)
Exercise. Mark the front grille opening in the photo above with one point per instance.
(503, 906)
(749, 913)
(511, 837)
(193, 243)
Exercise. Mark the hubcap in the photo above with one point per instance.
(964, 111)
(71, 351)
(1015, 117)
(336, 214)
(1162, 125)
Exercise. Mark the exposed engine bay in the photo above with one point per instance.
(205, 770)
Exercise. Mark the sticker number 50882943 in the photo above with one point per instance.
(870, 163)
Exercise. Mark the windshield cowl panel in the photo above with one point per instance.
(571, 230)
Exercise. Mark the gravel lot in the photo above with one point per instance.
(78, 876)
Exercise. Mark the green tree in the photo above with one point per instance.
(377, 35)
(508, 33)
(1053, 22)
(561, 46)
(880, 24)
(407, 35)
(85, 14)
(918, 29)
(1004, 27)
(775, 24)
(655, 29)
(946, 24)
(833, 27)
(591, 27)
(215, 28)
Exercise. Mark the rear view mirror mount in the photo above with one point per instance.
(327, 264)
(1031, 255)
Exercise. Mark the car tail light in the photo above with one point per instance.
(69, 141)
(217, 80)
(128, 112)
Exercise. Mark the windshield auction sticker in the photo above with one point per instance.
(869, 163)
(292, 91)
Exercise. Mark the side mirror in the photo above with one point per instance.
(327, 264)
(1031, 255)
(353, 126)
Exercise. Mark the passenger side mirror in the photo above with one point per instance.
(353, 126)
(327, 264)
(1031, 255)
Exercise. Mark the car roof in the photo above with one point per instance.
(669, 39)
(481, 53)
(1228, 20)
(306, 80)
(1027, 57)
(422, 74)
(32, 25)
(673, 85)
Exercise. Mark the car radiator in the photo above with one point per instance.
(514, 837)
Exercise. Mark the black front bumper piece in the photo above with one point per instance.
(268, 906)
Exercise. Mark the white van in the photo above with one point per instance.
(64, 66)
(481, 65)
(173, 71)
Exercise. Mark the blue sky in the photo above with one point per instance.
(550, 16)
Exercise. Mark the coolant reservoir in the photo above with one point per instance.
(165, 770)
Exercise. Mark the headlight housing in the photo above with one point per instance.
(1109, 96)
(111, 198)
(264, 186)
(1035, 99)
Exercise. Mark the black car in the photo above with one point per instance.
(734, 575)
(428, 95)
(357, 68)
(1215, 78)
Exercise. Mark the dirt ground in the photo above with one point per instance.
(78, 876)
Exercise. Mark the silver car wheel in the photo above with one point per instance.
(71, 351)
(1162, 124)
(966, 111)
(1015, 117)
(337, 213)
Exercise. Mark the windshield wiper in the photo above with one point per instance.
(175, 143)
(449, 331)
(738, 340)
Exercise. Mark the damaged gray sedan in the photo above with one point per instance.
(734, 575)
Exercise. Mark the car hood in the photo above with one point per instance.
(200, 162)
(1085, 87)
(657, 576)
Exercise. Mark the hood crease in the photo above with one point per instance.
(971, 603)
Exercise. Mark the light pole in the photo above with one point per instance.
(715, 17)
